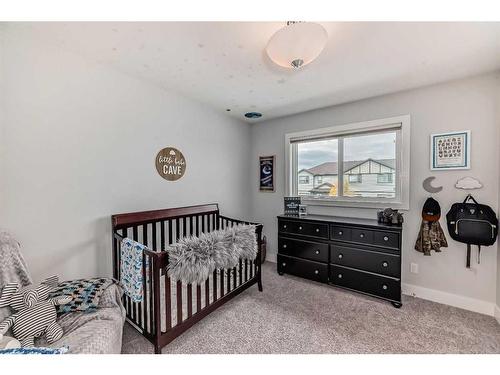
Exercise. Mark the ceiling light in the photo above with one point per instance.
(297, 44)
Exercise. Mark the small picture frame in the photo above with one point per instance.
(450, 151)
(266, 173)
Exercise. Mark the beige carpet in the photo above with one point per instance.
(293, 315)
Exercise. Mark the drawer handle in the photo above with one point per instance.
(340, 256)
(386, 238)
(317, 230)
(317, 251)
(340, 233)
(384, 287)
(385, 264)
(316, 272)
(300, 228)
(284, 246)
(283, 264)
(339, 276)
(284, 226)
(362, 235)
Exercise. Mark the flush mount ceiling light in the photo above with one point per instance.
(297, 44)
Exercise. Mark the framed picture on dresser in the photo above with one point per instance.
(266, 173)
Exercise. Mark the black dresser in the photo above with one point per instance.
(357, 254)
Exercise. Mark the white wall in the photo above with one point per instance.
(459, 105)
(79, 143)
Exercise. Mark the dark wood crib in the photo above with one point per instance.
(169, 308)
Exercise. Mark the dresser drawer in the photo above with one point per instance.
(340, 233)
(362, 235)
(303, 268)
(303, 249)
(380, 286)
(304, 228)
(312, 229)
(386, 239)
(285, 226)
(373, 261)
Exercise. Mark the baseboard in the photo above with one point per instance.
(455, 300)
(497, 313)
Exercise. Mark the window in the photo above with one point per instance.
(355, 165)
(303, 179)
(355, 178)
(384, 178)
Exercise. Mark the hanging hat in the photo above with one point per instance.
(431, 210)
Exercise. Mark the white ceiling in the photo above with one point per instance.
(224, 64)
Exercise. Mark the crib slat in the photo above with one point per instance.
(179, 302)
(145, 235)
(190, 300)
(207, 292)
(234, 278)
(168, 306)
(215, 285)
(203, 217)
(162, 235)
(177, 229)
(145, 292)
(221, 283)
(240, 273)
(153, 234)
(126, 299)
(198, 297)
(135, 237)
(184, 227)
(251, 268)
(169, 237)
(246, 270)
(228, 280)
(191, 227)
(150, 298)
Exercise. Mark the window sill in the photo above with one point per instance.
(355, 203)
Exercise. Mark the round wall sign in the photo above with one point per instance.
(170, 164)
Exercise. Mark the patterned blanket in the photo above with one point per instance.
(85, 294)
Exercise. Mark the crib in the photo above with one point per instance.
(170, 307)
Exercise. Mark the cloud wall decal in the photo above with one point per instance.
(468, 183)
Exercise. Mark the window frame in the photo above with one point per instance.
(359, 178)
(390, 180)
(308, 180)
(401, 124)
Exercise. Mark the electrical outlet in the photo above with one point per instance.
(414, 267)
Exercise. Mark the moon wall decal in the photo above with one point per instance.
(427, 185)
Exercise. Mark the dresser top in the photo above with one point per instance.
(341, 220)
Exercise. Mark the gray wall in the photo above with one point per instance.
(459, 105)
(79, 143)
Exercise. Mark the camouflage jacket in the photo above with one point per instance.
(430, 237)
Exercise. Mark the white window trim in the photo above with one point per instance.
(402, 200)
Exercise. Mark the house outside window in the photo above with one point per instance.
(354, 165)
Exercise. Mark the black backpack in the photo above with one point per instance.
(473, 224)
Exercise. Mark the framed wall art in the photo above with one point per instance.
(450, 150)
(266, 173)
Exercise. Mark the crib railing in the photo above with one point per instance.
(160, 317)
